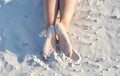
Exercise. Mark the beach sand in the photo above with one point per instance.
(94, 33)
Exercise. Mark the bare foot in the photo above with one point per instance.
(64, 42)
(50, 43)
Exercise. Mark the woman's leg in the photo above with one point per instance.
(50, 11)
(66, 11)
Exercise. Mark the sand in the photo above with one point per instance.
(94, 33)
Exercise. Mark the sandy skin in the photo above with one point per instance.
(64, 43)
(50, 43)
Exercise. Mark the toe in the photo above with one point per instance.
(75, 56)
(46, 57)
(70, 54)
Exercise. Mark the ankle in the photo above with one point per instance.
(48, 27)
(65, 26)
(50, 30)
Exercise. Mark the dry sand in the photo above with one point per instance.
(94, 33)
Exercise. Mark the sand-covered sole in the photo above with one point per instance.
(50, 43)
(66, 42)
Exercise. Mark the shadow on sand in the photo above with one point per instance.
(21, 21)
